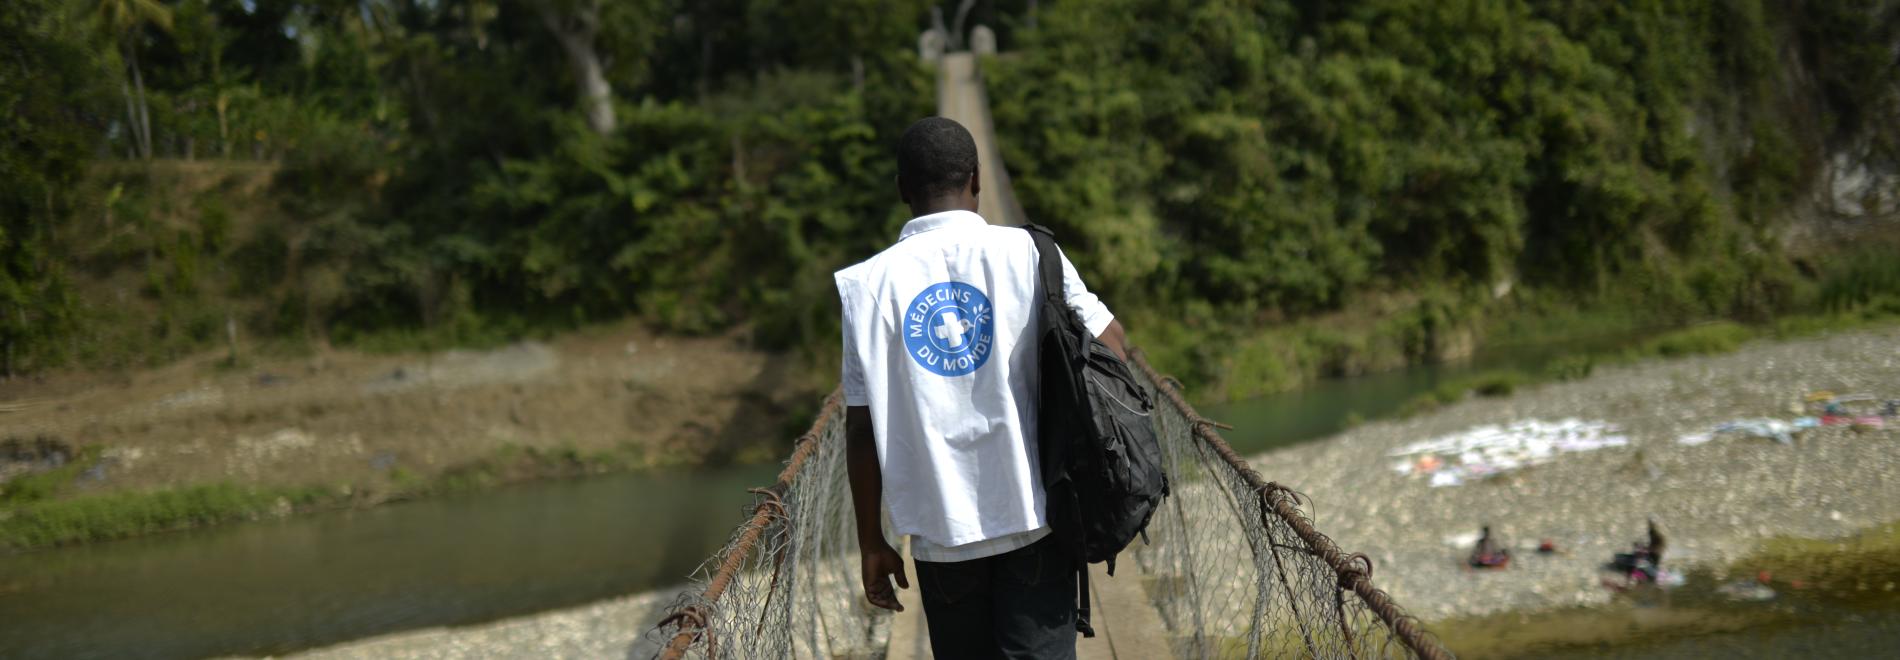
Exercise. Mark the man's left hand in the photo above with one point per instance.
(881, 563)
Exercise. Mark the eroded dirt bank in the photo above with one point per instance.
(354, 421)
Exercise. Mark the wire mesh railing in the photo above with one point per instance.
(1234, 567)
(785, 585)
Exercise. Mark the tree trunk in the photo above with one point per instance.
(6, 370)
(957, 39)
(145, 115)
(230, 337)
(420, 89)
(576, 33)
(705, 62)
(131, 118)
(224, 127)
(596, 96)
(738, 159)
(221, 103)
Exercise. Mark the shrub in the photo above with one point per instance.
(1497, 383)
(119, 515)
(1570, 367)
(1720, 337)
(1862, 277)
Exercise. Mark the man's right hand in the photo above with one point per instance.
(881, 563)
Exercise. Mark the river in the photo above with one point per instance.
(282, 585)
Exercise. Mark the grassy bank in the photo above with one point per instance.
(41, 510)
(1711, 338)
(1222, 358)
(1836, 576)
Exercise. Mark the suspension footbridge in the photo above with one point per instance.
(1234, 566)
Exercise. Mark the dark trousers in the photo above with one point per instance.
(1019, 604)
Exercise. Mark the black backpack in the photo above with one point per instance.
(1101, 462)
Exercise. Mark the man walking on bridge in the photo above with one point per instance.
(940, 383)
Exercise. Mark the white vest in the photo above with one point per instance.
(939, 343)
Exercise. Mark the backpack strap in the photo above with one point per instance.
(1049, 268)
(1082, 599)
(1049, 271)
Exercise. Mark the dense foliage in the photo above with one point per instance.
(1282, 155)
(42, 146)
(461, 171)
(1267, 160)
(435, 176)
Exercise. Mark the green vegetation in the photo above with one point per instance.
(42, 69)
(1706, 339)
(1863, 278)
(400, 175)
(1487, 384)
(1842, 565)
(1244, 164)
(1270, 192)
(120, 515)
(41, 485)
(1723, 337)
(1571, 367)
(1852, 571)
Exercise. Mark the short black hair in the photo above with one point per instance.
(935, 157)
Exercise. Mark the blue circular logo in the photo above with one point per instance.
(950, 329)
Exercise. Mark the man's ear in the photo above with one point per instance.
(899, 180)
(975, 185)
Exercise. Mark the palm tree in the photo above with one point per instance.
(122, 20)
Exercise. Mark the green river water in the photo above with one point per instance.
(278, 586)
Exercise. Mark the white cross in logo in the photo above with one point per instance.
(951, 329)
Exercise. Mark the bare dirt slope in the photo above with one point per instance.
(349, 419)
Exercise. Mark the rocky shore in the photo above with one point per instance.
(1714, 501)
(616, 628)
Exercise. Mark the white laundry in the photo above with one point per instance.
(1493, 449)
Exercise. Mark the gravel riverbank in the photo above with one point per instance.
(615, 628)
(1715, 502)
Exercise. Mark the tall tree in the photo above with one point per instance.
(124, 21)
(575, 25)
